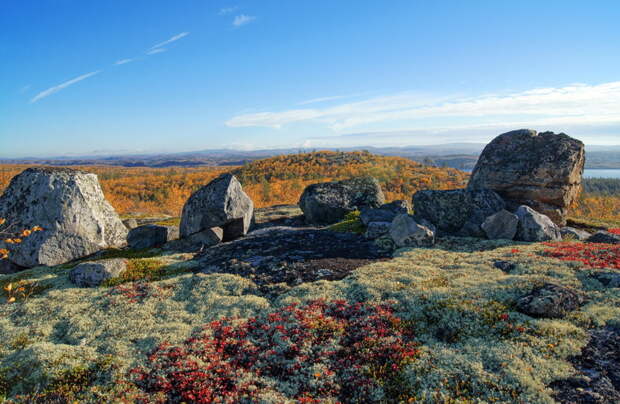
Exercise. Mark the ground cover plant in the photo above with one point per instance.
(592, 255)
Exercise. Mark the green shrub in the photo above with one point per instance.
(350, 224)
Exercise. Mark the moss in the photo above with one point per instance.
(114, 253)
(173, 221)
(350, 224)
(145, 270)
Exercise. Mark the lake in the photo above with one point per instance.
(601, 173)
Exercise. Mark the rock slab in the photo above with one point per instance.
(457, 211)
(151, 236)
(221, 203)
(541, 170)
(534, 226)
(329, 202)
(70, 206)
(93, 273)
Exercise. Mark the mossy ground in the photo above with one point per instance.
(475, 347)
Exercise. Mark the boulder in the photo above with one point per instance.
(70, 207)
(197, 241)
(384, 213)
(151, 235)
(406, 232)
(575, 234)
(130, 223)
(221, 203)
(534, 226)
(93, 273)
(550, 301)
(329, 202)
(604, 237)
(505, 266)
(457, 211)
(541, 170)
(501, 225)
(375, 230)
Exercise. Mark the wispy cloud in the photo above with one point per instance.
(155, 51)
(228, 10)
(24, 88)
(170, 40)
(324, 99)
(242, 19)
(61, 86)
(572, 104)
(123, 61)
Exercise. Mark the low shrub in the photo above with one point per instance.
(592, 255)
(140, 270)
(350, 224)
(321, 351)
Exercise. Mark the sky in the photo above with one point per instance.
(150, 76)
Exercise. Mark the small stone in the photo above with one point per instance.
(406, 232)
(505, 266)
(93, 273)
(569, 233)
(501, 225)
(550, 301)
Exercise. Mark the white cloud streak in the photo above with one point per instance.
(228, 10)
(123, 61)
(155, 51)
(572, 104)
(55, 89)
(242, 19)
(324, 99)
(170, 40)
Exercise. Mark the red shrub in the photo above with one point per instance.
(308, 353)
(614, 231)
(593, 255)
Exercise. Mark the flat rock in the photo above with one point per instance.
(221, 203)
(550, 301)
(93, 273)
(151, 236)
(70, 206)
(457, 211)
(501, 225)
(534, 226)
(541, 170)
(568, 232)
(406, 232)
(604, 237)
(329, 202)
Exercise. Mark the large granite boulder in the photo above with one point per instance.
(407, 232)
(70, 207)
(540, 170)
(534, 226)
(501, 225)
(457, 211)
(94, 273)
(151, 235)
(384, 213)
(329, 202)
(221, 203)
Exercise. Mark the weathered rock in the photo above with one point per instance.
(550, 301)
(377, 229)
(329, 202)
(151, 235)
(406, 232)
(221, 203)
(93, 273)
(541, 170)
(572, 233)
(197, 241)
(505, 266)
(384, 213)
(534, 226)
(70, 207)
(604, 237)
(130, 223)
(501, 225)
(457, 211)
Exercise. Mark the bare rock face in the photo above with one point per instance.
(221, 203)
(70, 207)
(541, 170)
(329, 202)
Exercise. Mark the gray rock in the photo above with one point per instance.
(151, 235)
(130, 223)
(604, 237)
(534, 226)
(457, 211)
(93, 273)
(7, 267)
(197, 241)
(501, 225)
(406, 232)
(70, 207)
(221, 203)
(572, 233)
(377, 229)
(550, 301)
(608, 279)
(505, 266)
(541, 170)
(384, 213)
(329, 202)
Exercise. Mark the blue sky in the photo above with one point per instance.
(116, 76)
